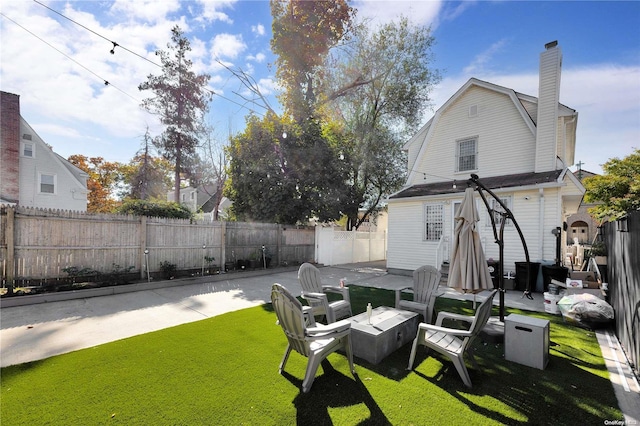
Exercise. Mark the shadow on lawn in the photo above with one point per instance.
(565, 393)
(333, 390)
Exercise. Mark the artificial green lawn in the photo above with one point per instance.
(224, 370)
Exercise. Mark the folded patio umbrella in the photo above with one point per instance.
(468, 272)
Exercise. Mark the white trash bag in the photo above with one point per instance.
(585, 310)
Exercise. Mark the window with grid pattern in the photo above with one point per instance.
(467, 154)
(497, 209)
(433, 221)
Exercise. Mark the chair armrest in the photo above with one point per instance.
(314, 296)
(399, 294)
(450, 315)
(307, 314)
(337, 328)
(451, 331)
(344, 291)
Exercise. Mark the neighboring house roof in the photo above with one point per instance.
(494, 182)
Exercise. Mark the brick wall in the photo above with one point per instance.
(10, 151)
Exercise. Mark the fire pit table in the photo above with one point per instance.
(390, 329)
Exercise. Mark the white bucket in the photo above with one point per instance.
(551, 303)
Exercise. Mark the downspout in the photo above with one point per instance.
(541, 224)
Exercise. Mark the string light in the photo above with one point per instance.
(115, 44)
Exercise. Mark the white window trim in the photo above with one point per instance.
(493, 204)
(458, 142)
(55, 183)
(33, 149)
(425, 234)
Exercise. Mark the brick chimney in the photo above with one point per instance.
(548, 98)
(10, 147)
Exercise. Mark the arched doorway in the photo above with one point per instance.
(580, 230)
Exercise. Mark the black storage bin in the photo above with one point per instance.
(521, 275)
(553, 272)
(493, 271)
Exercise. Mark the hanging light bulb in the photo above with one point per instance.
(454, 184)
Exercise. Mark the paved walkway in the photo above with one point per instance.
(33, 332)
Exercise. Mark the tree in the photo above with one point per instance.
(618, 189)
(303, 34)
(104, 177)
(378, 91)
(282, 172)
(211, 169)
(181, 100)
(155, 208)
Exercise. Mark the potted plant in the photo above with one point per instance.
(599, 252)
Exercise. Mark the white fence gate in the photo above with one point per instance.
(335, 247)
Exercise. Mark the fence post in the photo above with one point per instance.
(10, 237)
(279, 246)
(223, 246)
(143, 245)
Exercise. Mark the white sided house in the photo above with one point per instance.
(520, 146)
(31, 174)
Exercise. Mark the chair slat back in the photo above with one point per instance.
(289, 312)
(309, 277)
(425, 281)
(483, 313)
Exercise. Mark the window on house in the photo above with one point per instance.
(47, 183)
(466, 155)
(497, 210)
(184, 197)
(433, 221)
(27, 150)
(193, 195)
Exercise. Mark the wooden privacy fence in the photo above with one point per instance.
(623, 275)
(39, 244)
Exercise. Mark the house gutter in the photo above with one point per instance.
(541, 223)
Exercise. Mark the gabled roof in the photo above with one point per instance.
(494, 182)
(424, 134)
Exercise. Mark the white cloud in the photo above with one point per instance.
(380, 12)
(147, 10)
(480, 61)
(258, 29)
(258, 57)
(227, 45)
(211, 10)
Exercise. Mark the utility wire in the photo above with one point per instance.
(106, 82)
(115, 44)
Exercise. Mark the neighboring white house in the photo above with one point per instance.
(520, 146)
(31, 174)
(201, 199)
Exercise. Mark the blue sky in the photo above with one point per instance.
(69, 106)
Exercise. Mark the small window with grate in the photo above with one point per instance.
(433, 221)
(497, 211)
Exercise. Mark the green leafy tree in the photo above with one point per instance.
(618, 189)
(303, 34)
(146, 176)
(155, 208)
(282, 172)
(181, 100)
(378, 91)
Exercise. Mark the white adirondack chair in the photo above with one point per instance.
(315, 293)
(425, 290)
(452, 342)
(313, 342)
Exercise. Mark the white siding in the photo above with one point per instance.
(505, 143)
(69, 193)
(407, 250)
